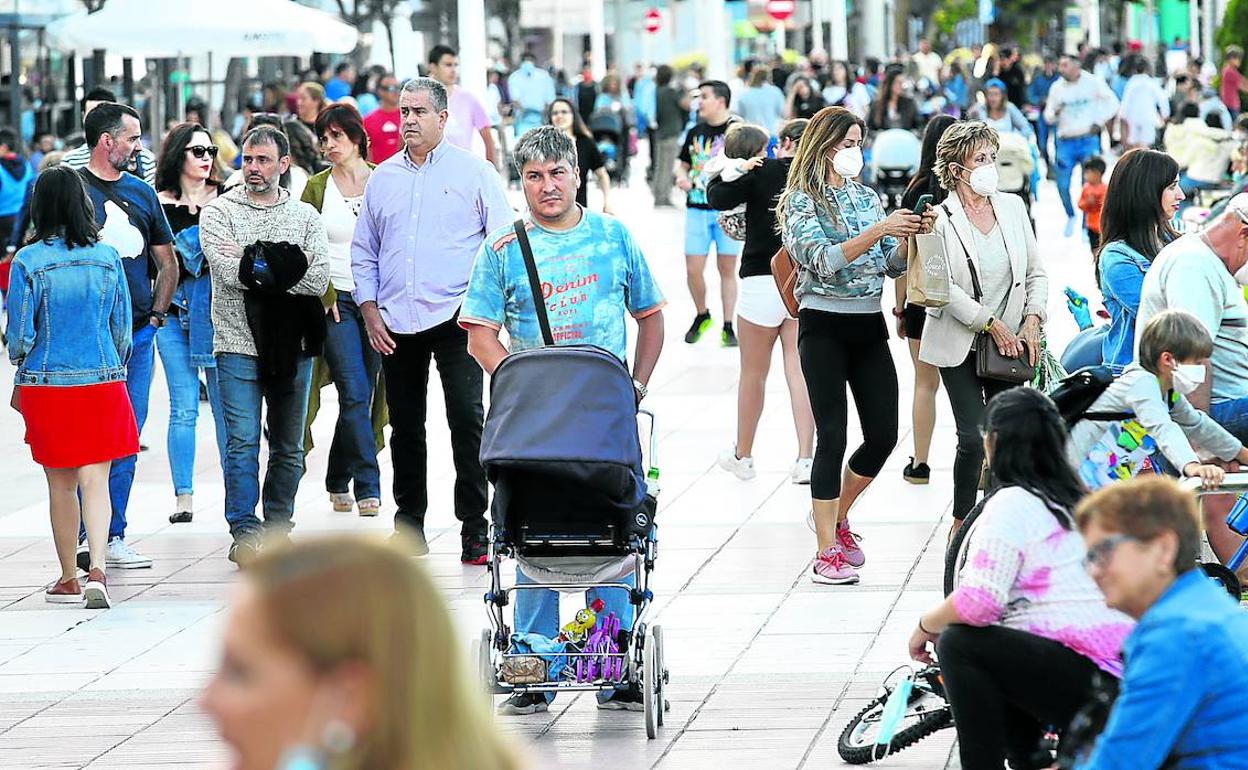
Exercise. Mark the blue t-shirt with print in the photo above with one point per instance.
(590, 275)
(132, 232)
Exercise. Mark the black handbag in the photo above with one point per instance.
(990, 364)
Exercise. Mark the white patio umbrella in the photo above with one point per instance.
(167, 28)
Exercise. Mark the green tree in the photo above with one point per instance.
(949, 12)
(1234, 29)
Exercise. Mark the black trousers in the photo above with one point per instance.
(969, 396)
(407, 389)
(1006, 688)
(839, 350)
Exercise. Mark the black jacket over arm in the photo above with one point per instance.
(286, 327)
(758, 190)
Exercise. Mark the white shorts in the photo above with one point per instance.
(759, 302)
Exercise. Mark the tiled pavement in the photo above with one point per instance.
(766, 667)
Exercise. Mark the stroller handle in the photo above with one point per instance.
(653, 456)
(1234, 483)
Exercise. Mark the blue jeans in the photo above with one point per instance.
(1044, 130)
(1073, 152)
(138, 386)
(1233, 416)
(243, 397)
(537, 610)
(174, 343)
(353, 365)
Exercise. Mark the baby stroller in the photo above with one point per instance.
(611, 135)
(1014, 166)
(571, 491)
(894, 160)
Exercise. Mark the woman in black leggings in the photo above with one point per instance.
(835, 228)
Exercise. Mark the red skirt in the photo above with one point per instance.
(73, 426)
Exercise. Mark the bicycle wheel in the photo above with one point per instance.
(1223, 577)
(955, 556)
(925, 714)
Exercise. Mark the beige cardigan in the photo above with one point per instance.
(950, 330)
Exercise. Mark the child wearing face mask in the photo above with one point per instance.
(1172, 351)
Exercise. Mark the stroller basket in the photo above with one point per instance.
(566, 480)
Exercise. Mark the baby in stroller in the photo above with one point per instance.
(570, 500)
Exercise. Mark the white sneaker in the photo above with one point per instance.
(801, 470)
(741, 467)
(122, 556)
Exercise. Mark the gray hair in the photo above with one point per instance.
(268, 135)
(436, 91)
(543, 145)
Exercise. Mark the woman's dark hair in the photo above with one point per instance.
(172, 155)
(346, 119)
(879, 110)
(302, 146)
(1132, 211)
(1028, 443)
(61, 208)
(578, 125)
(924, 181)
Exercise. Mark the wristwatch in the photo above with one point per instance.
(988, 326)
(158, 318)
(641, 389)
(898, 312)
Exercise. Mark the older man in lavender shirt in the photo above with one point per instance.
(426, 211)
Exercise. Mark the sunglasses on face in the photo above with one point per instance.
(199, 151)
(1100, 554)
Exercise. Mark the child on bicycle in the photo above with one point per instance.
(1169, 365)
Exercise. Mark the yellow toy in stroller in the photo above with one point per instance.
(572, 505)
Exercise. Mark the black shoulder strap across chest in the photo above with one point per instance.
(107, 191)
(535, 283)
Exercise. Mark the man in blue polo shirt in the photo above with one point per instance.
(592, 274)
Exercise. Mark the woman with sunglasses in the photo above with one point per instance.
(1022, 637)
(185, 183)
(1181, 701)
(349, 361)
(563, 115)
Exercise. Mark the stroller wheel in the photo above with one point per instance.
(487, 677)
(661, 672)
(651, 681)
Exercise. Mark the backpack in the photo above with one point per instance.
(1077, 392)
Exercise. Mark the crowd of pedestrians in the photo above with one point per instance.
(363, 232)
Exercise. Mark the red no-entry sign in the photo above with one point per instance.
(781, 9)
(653, 20)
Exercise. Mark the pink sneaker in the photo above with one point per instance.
(848, 542)
(831, 568)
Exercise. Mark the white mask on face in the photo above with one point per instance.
(848, 162)
(1188, 377)
(983, 180)
(1241, 275)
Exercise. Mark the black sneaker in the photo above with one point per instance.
(701, 323)
(523, 703)
(181, 517)
(916, 473)
(244, 550)
(625, 699)
(83, 558)
(728, 337)
(475, 552)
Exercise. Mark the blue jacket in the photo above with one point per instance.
(1182, 691)
(193, 297)
(1038, 89)
(69, 315)
(1122, 278)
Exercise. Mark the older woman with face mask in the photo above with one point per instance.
(1181, 699)
(997, 286)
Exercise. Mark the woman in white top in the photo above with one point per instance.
(352, 363)
(1005, 298)
(1144, 107)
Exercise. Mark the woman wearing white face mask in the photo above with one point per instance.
(1173, 347)
(835, 229)
(1005, 296)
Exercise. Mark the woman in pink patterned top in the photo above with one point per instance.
(1026, 631)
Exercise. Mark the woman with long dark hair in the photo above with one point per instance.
(1024, 611)
(184, 185)
(71, 388)
(563, 115)
(911, 318)
(352, 478)
(1140, 202)
(893, 108)
(835, 228)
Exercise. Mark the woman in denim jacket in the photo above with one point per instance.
(69, 335)
(1142, 198)
(835, 229)
(1180, 704)
(184, 185)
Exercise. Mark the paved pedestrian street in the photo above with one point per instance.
(766, 667)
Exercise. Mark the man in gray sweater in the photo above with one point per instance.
(259, 210)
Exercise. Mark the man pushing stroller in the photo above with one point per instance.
(590, 272)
